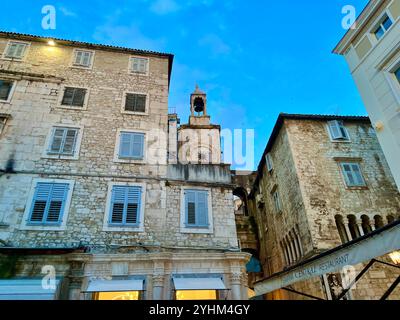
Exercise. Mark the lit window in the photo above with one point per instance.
(131, 145)
(135, 102)
(125, 206)
(63, 141)
(383, 27)
(352, 174)
(268, 159)
(196, 295)
(277, 202)
(74, 97)
(83, 58)
(15, 50)
(139, 65)
(338, 131)
(397, 74)
(48, 203)
(196, 209)
(5, 89)
(131, 295)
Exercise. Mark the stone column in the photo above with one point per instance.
(245, 286)
(158, 286)
(360, 228)
(293, 249)
(236, 286)
(296, 246)
(75, 278)
(346, 227)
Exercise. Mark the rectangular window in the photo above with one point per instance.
(135, 102)
(397, 74)
(83, 58)
(338, 131)
(74, 97)
(131, 145)
(196, 208)
(352, 174)
(5, 89)
(63, 141)
(139, 65)
(277, 202)
(270, 165)
(15, 50)
(125, 206)
(383, 27)
(48, 203)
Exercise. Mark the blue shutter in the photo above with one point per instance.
(358, 178)
(57, 140)
(125, 145)
(133, 205)
(117, 205)
(137, 145)
(125, 205)
(48, 203)
(56, 203)
(202, 208)
(40, 202)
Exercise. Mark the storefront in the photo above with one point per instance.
(190, 288)
(131, 289)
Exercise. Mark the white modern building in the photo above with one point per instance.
(372, 50)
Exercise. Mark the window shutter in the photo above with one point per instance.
(78, 57)
(133, 205)
(68, 97)
(117, 205)
(359, 180)
(135, 102)
(86, 59)
(269, 162)
(70, 141)
(40, 200)
(334, 128)
(125, 144)
(140, 103)
(5, 89)
(202, 208)
(190, 206)
(137, 145)
(12, 48)
(78, 99)
(57, 202)
(19, 50)
(57, 140)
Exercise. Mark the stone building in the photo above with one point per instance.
(323, 181)
(92, 189)
(372, 51)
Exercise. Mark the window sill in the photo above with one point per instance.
(13, 59)
(193, 230)
(135, 73)
(83, 108)
(60, 157)
(135, 113)
(30, 227)
(82, 67)
(137, 229)
(130, 161)
(357, 188)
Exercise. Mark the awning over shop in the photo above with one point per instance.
(199, 284)
(375, 244)
(27, 289)
(115, 285)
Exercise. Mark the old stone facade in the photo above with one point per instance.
(305, 201)
(108, 108)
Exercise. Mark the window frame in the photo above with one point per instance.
(147, 105)
(328, 126)
(61, 98)
(345, 178)
(276, 196)
(130, 66)
(74, 53)
(49, 140)
(184, 227)
(12, 90)
(379, 25)
(62, 226)
(117, 158)
(269, 162)
(23, 58)
(139, 227)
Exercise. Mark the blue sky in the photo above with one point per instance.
(254, 59)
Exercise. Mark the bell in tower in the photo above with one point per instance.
(198, 108)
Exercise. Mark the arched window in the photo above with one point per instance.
(341, 228)
(378, 222)
(366, 226)
(355, 233)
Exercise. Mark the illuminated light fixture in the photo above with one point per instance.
(51, 43)
(395, 256)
